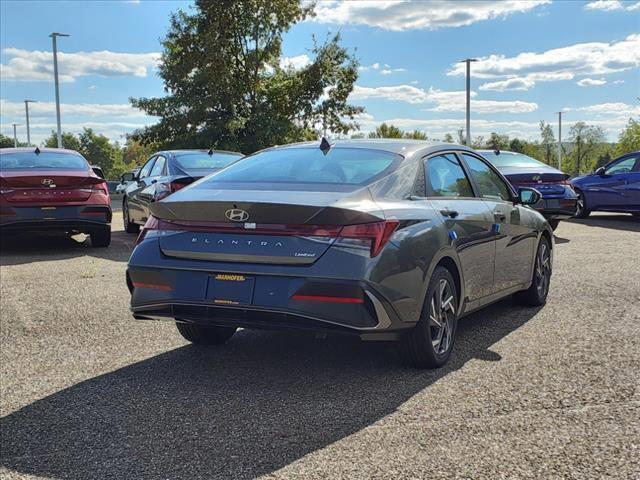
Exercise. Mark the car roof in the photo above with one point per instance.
(197, 150)
(42, 150)
(405, 147)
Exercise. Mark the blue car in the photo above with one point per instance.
(612, 188)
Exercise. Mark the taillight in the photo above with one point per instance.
(372, 235)
(101, 187)
(163, 190)
(151, 224)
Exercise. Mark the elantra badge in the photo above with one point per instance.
(236, 215)
(48, 182)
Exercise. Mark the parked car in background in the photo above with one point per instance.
(165, 173)
(385, 239)
(122, 186)
(612, 188)
(52, 189)
(558, 197)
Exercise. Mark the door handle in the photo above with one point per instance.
(449, 213)
(499, 216)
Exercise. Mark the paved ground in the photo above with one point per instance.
(545, 393)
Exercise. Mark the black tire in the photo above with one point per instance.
(438, 319)
(536, 294)
(129, 226)
(101, 237)
(582, 210)
(201, 335)
(553, 224)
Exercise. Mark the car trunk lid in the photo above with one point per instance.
(47, 186)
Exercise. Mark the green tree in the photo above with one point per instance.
(477, 142)
(386, 131)
(548, 143)
(497, 142)
(99, 151)
(516, 145)
(226, 87)
(6, 142)
(415, 135)
(448, 138)
(69, 141)
(134, 153)
(629, 140)
(587, 140)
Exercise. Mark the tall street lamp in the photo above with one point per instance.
(559, 140)
(15, 136)
(54, 36)
(468, 62)
(26, 111)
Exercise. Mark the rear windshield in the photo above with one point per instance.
(309, 166)
(510, 159)
(42, 161)
(204, 161)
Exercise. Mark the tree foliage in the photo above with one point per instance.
(548, 144)
(5, 142)
(69, 141)
(629, 140)
(226, 86)
(391, 131)
(586, 140)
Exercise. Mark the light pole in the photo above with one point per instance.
(468, 62)
(54, 36)
(559, 140)
(26, 111)
(15, 136)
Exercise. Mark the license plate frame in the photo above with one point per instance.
(230, 289)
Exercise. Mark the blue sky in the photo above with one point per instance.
(535, 58)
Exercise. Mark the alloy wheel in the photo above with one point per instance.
(543, 270)
(441, 317)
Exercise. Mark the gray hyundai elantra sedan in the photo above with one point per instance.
(385, 239)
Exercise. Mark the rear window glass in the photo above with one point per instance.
(340, 166)
(204, 161)
(509, 159)
(42, 161)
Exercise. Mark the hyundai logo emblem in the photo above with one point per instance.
(48, 182)
(236, 215)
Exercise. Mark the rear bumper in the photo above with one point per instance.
(557, 208)
(83, 218)
(183, 296)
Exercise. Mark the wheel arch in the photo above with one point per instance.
(447, 259)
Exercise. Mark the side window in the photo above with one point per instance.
(158, 167)
(446, 178)
(146, 169)
(488, 181)
(622, 166)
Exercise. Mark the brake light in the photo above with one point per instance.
(101, 187)
(163, 190)
(375, 235)
(368, 236)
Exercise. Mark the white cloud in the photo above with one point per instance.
(594, 58)
(515, 84)
(389, 71)
(445, 101)
(48, 109)
(611, 5)
(296, 63)
(36, 65)
(398, 15)
(612, 109)
(384, 70)
(618, 82)
(591, 82)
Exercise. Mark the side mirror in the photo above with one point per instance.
(128, 177)
(600, 171)
(529, 196)
(98, 171)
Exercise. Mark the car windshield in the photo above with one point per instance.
(42, 161)
(511, 159)
(307, 167)
(204, 161)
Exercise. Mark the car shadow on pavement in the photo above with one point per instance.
(616, 222)
(238, 411)
(29, 248)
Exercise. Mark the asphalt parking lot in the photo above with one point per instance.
(547, 393)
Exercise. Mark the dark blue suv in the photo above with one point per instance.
(612, 188)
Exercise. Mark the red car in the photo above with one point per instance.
(52, 189)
